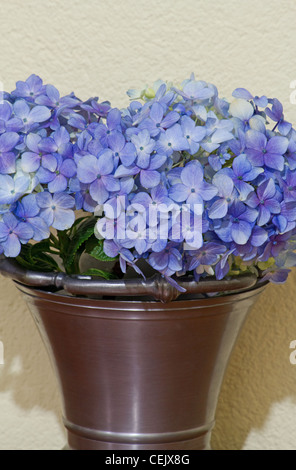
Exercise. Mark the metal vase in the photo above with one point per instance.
(139, 374)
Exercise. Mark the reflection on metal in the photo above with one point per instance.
(156, 286)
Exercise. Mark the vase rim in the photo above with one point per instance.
(125, 304)
(156, 286)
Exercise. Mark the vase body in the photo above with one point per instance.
(139, 375)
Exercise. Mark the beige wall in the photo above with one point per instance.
(96, 47)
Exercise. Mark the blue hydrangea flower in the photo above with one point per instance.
(238, 225)
(11, 190)
(194, 134)
(36, 155)
(12, 234)
(29, 89)
(207, 255)
(264, 201)
(144, 146)
(192, 189)
(124, 151)
(113, 123)
(288, 185)
(219, 176)
(290, 154)
(8, 123)
(157, 121)
(168, 261)
(242, 93)
(242, 173)
(57, 178)
(261, 151)
(97, 172)
(30, 117)
(149, 177)
(126, 258)
(8, 142)
(172, 140)
(28, 211)
(56, 209)
(52, 99)
(276, 114)
(226, 195)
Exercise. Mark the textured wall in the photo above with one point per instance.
(103, 48)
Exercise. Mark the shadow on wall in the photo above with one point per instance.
(259, 373)
(26, 373)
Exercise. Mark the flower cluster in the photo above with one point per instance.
(181, 178)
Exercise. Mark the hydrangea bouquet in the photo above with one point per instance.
(181, 178)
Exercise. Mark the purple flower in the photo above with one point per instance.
(291, 154)
(157, 204)
(157, 122)
(8, 123)
(58, 142)
(57, 177)
(97, 173)
(37, 155)
(288, 185)
(195, 91)
(167, 261)
(276, 276)
(244, 94)
(241, 109)
(227, 194)
(113, 123)
(28, 212)
(261, 151)
(57, 209)
(276, 244)
(137, 234)
(13, 189)
(222, 267)
(12, 234)
(83, 199)
(239, 225)
(125, 151)
(193, 189)
(194, 134)
(285, 220)
(29, 89)
(144, 147)
(276, 114)
(218, 160)
(217, 132)
(149, 177)
(172, 140)
(113, 249)
(8, 141)
(30, 117)
(77, 121)
(208, 254)
(52, 99)
(264, 201)
(241, 173)
(101, 109)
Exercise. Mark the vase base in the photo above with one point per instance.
(76, 442)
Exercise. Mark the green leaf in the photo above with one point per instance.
(32, 257)
(83, 232)
(95, 249)
(99, 273)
